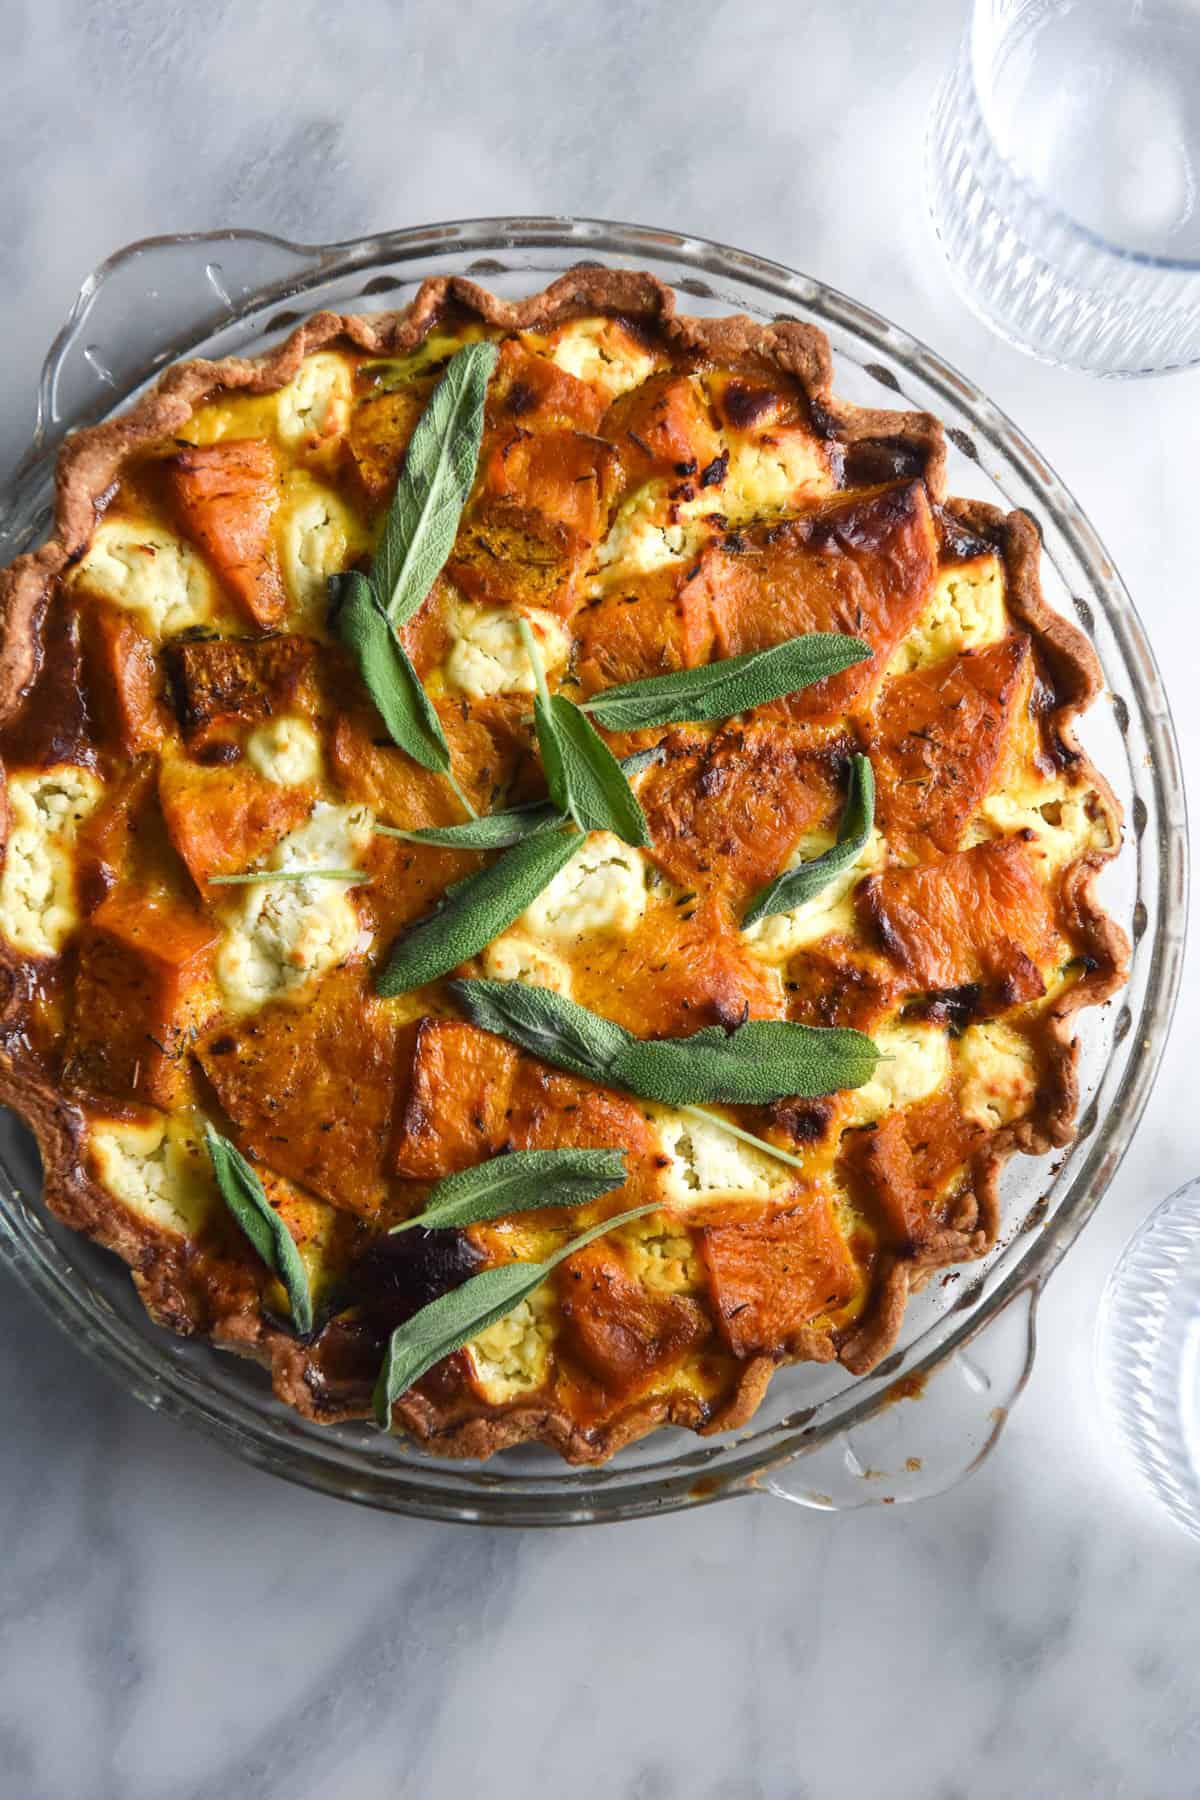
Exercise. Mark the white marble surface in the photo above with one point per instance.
(172, 1622)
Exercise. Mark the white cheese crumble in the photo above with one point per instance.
(510, 1357)
(283, 934)
(37, 890)
(513, 957)
(998, 1077)
(661, 1258)
(316, 404)
(779, 936)
(286, 751)
(488, 656)
(601, 351)
(966, 612)
(319, 536)
(148, 571)
(643, 536)
(1059, 819)
(916, 1063)
(159, 1170)
(601, 889)
(707, 1163)
(767, 477)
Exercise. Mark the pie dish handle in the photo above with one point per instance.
(927, 1434)
(150, 303)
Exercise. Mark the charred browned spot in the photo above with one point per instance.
(873, 460)
(955, 1008)
(959, 541)
(744, 402)
(804, 1121)
(234, 681)
(401, 1272)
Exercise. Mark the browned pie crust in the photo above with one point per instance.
(195, 1294)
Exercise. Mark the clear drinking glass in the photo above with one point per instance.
(1062, 168)
(1148, 1352)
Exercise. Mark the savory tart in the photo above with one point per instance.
(546, 864)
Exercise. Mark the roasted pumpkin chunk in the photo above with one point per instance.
(378, 435)
(661, 623)
(221, 684)
(469, 1095)
(541, 507)
(550, 1110)
(839, 982)
(725, 811)
(662, 429)
(298, 1103)
(900, 1170)
(487, 751)
(124, 836)
(454, 1107)
(772, 1276)
(223, 820)
(534, 392)
(684, 966)
(983, 915)
(143, 990)
(863, 567)
(619, 1331)
(124, 682)
(225, 495)
(939, 742)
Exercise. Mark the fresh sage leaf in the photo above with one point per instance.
(795, 886)
(439, 468)
(523, 1181)
(492, 831)
(760, 1061)
(475, 911)
(450, 1321)
(260, 875)
(497, 831)
(245, 1196)
(584, 777)
(599, 795)
(390, 678)
(721, 689)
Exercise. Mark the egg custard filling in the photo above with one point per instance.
(264, 998)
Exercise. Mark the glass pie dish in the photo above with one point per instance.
(822, 1438)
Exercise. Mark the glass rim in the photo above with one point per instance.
(715, 1470)
(1057, 214)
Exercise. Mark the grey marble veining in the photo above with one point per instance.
(174, 1623)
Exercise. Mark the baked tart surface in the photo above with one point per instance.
(182, 704)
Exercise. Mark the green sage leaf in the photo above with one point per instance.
(795, 886)
(761, 1061)
(475, 911)
(492, 831)
(439, 468)
(584, 777)
(523, 1181)
(245, 1196)
(390, 678)
(721, 689)
(498, 831)
(450, 1321)
(599, 797)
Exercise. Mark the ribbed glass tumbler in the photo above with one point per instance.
(1148, 1352)
(1062, 171)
